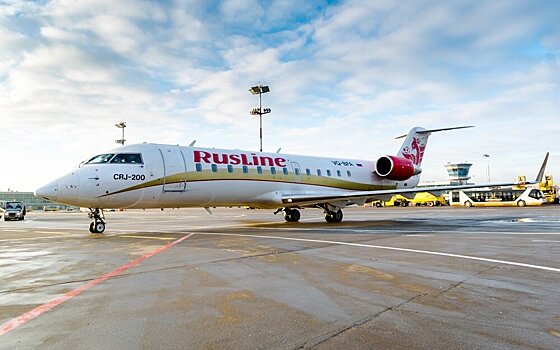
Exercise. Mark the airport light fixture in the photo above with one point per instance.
(259, 90)
(487, 156)
(121, 126)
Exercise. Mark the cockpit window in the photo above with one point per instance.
(127, 158)
(101, 159)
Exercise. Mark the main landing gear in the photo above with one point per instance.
(291, 215)
(333, 217)
(98, 217)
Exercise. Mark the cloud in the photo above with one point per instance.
(345, 78)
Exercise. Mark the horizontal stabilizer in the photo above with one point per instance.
(436, 130)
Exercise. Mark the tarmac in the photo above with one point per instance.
(398, 278)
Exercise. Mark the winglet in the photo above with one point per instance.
(541, 172)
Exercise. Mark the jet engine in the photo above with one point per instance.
(396, 168)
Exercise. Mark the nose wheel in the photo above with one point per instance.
(98, 224)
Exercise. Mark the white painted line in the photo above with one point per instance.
(402, 231)
(505, 262)
(511, 233)
(544, 240)
(413, 235)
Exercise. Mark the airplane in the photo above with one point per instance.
(151, 175)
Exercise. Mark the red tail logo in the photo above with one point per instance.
(417, 153)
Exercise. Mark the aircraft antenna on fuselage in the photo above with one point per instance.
(192, 143)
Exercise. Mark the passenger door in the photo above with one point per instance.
(174, 169)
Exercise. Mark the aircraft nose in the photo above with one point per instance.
(49, 191)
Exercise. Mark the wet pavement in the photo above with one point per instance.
(404, 278)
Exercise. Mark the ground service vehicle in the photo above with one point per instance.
(500, 197)
(550, 191)
(428, 199)
(14, 211)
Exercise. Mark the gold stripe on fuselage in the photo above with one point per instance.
(252, 175)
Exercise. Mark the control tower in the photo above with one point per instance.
(458, 173)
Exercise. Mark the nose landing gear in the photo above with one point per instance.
(98, 217)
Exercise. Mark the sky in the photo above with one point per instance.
(345, 78)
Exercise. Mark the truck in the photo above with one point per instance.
(550, 191)
(13, 210)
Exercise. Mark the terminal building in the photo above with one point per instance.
(29, 200)
(458, 175)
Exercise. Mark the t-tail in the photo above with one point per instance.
(407, 163)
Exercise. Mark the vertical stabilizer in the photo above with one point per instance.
(414, 145)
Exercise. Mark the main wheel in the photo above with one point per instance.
(295, 215)
(468, 204)
(292, 215)
(328, 218)
(521, 203)
(92, 228)
(338, 216)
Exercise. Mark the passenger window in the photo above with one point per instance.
(285, 171)
(338, 173)
(214, 168)
(273, 171)
(198, 167)
(127, 158)
(245, 169)
(259, 170)
(101, 159)
(349, 173)
(328, 172)
(230, 168)
(319, 172)
(308, 172)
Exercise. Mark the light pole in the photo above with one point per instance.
(487, 156)
(121, 126)
(259, 90)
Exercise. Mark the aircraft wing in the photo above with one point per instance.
(360, 197)
(368, 196)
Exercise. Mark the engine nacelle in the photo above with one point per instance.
(396, 168)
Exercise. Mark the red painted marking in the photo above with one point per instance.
(28, 316)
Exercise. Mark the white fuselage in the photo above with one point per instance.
(174, 176)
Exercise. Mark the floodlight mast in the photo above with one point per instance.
(121, 126)
(259, 90)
